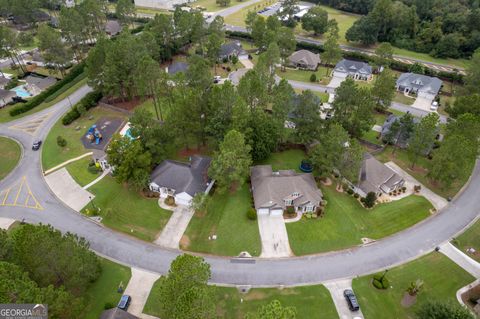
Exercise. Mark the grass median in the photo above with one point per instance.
(9, 156)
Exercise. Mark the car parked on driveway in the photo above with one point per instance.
(124, 302)
(351, 300)
(36, 145)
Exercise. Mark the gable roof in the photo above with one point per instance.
(41, 83)
(350, 66)
(270, 189)
(305, 57)
(230, 48)
(374, 174)
(177, 67)
(420, 82)
(6, 94)
(116, 313)
(190, 178)
(112, 27)
(4, 80)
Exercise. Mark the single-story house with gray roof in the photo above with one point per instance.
(3, 82)
(181, 180)
(420, 85)
(230, 49)
(304, 59)
(6, 97)
(374, 176)
(35, 84)
(273, 191)
(112, 28)
(356, 70)
(177, 67)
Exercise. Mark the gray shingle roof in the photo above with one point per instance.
(112, 27)
(7, 95)
(350, 66)
(229, 49)
(373, 174)
(176, 67)
(305, 57)
(420, 82)
(190, 178)
(4, 81)
(41, 83)
(270, 189)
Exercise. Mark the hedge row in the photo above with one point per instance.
(42, 97)
(396, 65)
(87, 102)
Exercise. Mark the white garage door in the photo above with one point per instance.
(276, 212)
(183, 199)
(263, 211)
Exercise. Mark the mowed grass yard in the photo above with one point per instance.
(304, 75)
(441, 276)
(9, 156)
(346, 222)
(226, 217)
(80, 173)
(211, 5)
(470, 239)
(126, 210)
(420, 171)
(104, 290)
(52, 154)
(310, 301)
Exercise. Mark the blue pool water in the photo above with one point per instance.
(21, 91)
(128, 134)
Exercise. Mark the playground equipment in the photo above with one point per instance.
(94, 135)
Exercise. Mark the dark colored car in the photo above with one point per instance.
(36, 145)
(124, 302)
(351, 300)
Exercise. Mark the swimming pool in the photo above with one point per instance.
(128, 134)
(21, 91)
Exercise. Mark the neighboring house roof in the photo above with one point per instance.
(190, 178)
(3, 81)
(231, 48)
(305, 57)
(177, 67)
(402, 140)
(270, 189)
(374, 174)
(36, 56)
(112, 27)
(116, 313)
(41, 83)
(7, 95)
(420, 82)
(350, 66)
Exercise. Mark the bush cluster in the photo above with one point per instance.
(252, 213)
(37, 100)
(61, 141)
(380, 282)
(87, 102)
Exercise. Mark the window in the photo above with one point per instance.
(309, 208)
(288, 202)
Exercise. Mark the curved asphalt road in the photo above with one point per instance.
(399, 248)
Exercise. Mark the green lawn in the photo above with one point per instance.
(5, 115)
(379, 118)
(372, 137)
(290, 159)
(127, 211)
(401, 98)
(211, 5)
(104, 290)
(442, 278)
(310, 301)
(470, 239)
(420, 171)
(52, 154)
(462, 63)
(9, 156)
(238, 18)
(304, 76)
(80, 173)
(226, 217)
(346, 222)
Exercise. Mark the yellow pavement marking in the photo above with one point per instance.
(31, 126)
(21, 188)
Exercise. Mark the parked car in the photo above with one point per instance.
(36, 145)
(124, 302)
(434, 106)
(351, 300)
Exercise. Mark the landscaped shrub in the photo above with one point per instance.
(417, 188)
(350, 191)
(170, 201)
(313, 77)
(370, 199)
(356, 195)
(380, 281)
(93, 169)
(87, 102)
(290, 210)
(61, 141)
(252, 213)
(37, 100)
(108, 305)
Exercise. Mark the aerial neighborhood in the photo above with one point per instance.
(251, 159)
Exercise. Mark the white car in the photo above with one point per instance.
(434, 106)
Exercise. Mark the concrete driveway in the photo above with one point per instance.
(274, 237)
(422, 104)
(138, 289)
(67, 190)
(336, 289)
(176, 226)
(335, 82)
(437, 201)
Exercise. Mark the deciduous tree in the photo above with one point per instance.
(316, 20)
(383, 90)
(331, 49)
(423, 137)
